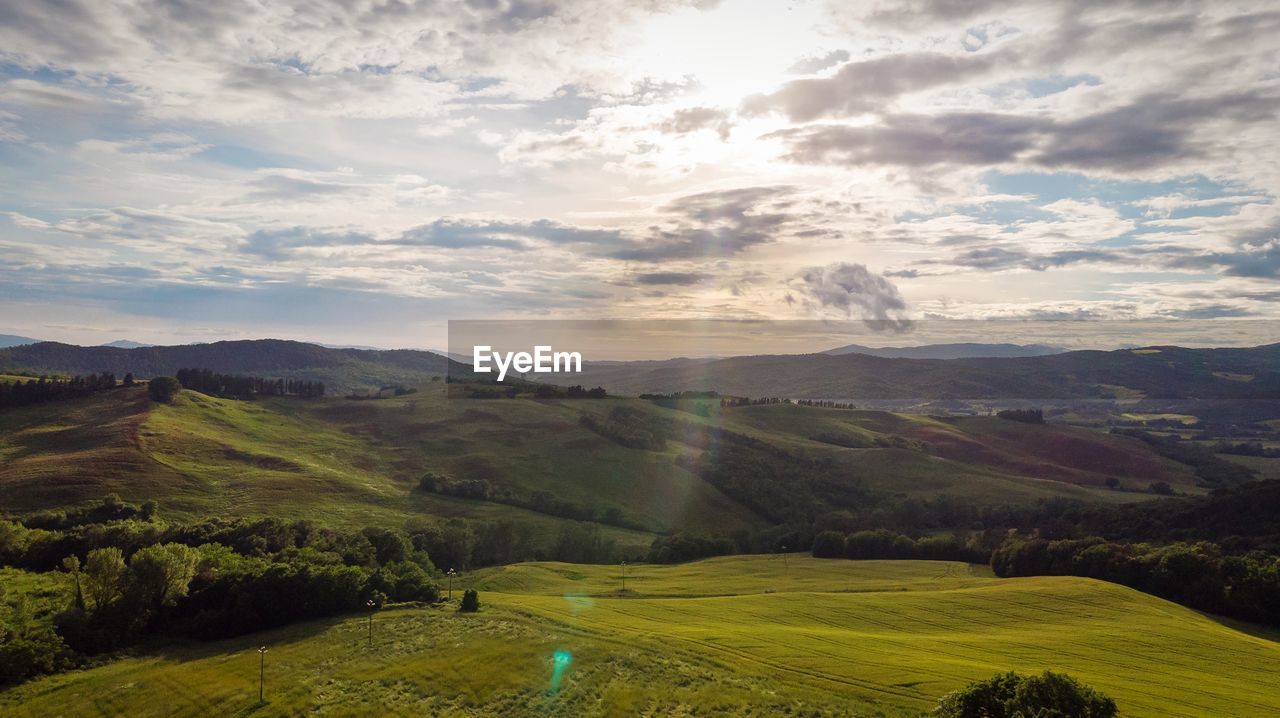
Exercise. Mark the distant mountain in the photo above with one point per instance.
(965, 350)
(126, 344)
(342, 370)
(11, 340)
(1153, 372)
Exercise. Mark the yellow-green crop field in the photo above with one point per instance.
(749, 635)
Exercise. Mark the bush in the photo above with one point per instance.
(470, 601)
(1009, 695)
(163, 389)
(828, 544)
(30, 653)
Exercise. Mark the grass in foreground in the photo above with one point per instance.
(741, 635)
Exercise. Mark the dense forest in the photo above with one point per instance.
(237, 386)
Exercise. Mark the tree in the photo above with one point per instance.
(1009, 695)
(163, 389)
(828, 544)
(470, 601)
(104, 574)
(72, 565)
(161, 574)
(128, 379)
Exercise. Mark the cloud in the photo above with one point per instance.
(698, 118)
(818, 63)
(462, 234)
(851, 288)
(865, 86)
(714, 225)
(1150, 132)
(682, 279)
(292, 184)
(916, 141)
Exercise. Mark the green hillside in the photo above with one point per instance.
(358, 462)
(743, 636)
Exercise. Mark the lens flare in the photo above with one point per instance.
(560, 661)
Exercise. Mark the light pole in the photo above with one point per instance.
(450, 574)
(371, 606)
(262, 673)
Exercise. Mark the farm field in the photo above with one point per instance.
(747, 635)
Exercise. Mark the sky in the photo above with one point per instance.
(360, 173)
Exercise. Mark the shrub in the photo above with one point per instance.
(163, 389)
(30, 653)
(470, 601)
(1009, 695)
(828, 544)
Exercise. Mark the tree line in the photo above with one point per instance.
(45, 388)
(209, 382)
(1197, 574)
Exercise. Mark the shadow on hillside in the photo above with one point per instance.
(183, 650)
(1252, 629)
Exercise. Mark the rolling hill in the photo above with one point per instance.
(357, 462)
(744, 635)
(342, 370)
(1154, 372)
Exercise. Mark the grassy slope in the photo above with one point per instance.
(62, 453)
(349, 462)
(1265, 468)
(831, 638)
(982, 458)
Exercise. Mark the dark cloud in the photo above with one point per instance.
(818, 63)
(860, 87)
(1255, 261)
(681, 279)
(917, 140)
(698, 118)
(914, 13)
(1152, 131)
(852, 288)
(1256, 255)
(715, 225)
(999, 258)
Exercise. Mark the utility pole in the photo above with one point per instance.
(784, 557)
(371, 606)
(451, 574)
(624, 576)
(262, 673)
